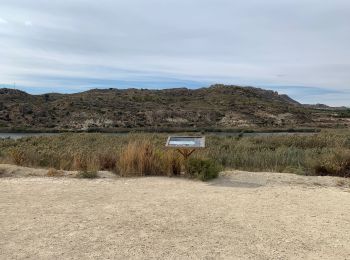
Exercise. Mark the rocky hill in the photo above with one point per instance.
(218, 106)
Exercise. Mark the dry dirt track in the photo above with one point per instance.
(245, 216)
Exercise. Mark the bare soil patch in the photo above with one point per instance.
(239, 215)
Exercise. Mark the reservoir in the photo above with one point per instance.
(233, 134)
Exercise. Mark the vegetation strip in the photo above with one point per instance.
(327, 153)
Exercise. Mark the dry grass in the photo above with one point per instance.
(54, 173)
(86, 162)
(17, 156)
(107, 161)
(172, 163)
(327, 153)
(141, 158)
(335, 162)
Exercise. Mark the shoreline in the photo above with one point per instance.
(162, 130)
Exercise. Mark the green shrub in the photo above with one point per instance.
(203, 169)
(87, 174)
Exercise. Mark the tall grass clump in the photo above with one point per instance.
(139, 158)
(142, 158)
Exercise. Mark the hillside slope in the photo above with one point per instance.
(218, 106)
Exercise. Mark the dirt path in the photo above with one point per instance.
(240, 215)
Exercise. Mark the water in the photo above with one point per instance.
(21, 135)
(264, 134)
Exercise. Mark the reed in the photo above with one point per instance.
(142, 158)
(326, 153)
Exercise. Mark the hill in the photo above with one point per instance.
(218, 106)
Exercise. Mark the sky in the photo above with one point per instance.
(296, 47)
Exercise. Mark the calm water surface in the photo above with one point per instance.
(21, 135)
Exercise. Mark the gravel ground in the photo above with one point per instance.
(241, 215)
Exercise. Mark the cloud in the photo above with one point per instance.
(262, 43)
(28, 23)
(3, 21)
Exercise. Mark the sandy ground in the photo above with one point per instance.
(241, 215)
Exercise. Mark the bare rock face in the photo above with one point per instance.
(218, 106)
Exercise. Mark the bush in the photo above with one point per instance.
(87, 174)
(203, 169)
(335, 162)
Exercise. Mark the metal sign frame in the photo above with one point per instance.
(184, 146)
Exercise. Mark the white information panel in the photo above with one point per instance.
(186, 141)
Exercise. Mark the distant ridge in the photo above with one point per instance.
(11, 91)
(216, 107)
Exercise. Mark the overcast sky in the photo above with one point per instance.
(298, 47)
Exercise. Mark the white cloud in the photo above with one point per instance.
(290, 42)
(28, 23)
(3, 21)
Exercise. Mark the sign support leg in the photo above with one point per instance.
(185, 152)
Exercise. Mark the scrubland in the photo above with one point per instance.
(325, 153)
